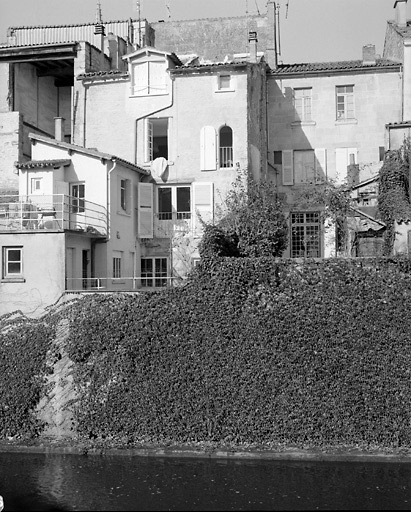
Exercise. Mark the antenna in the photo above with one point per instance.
(99, 19)
(258, 10)
(286, 12)
(139, 21)
(168, 8)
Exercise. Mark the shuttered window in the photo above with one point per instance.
(304, 166)
(208, 149)
(145, 210)
(149, 78)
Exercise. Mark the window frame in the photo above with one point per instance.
(117, 258)
(77, 201)
(306, 225)
(342, 98)
(6, 274)
(154, 279)
(306, 101)
(149, 88)
(35, 181)
(149, 137)
(219, 83)
(179, 215)
(225, 153)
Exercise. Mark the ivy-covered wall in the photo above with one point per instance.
(249, 352)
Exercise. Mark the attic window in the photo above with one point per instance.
(149, 78)
(225, 83)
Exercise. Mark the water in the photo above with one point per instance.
(73, 482)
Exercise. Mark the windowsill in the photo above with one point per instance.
(227, 168)
(13, 280)
(224, 90)
(303, 123)
(346, 121)
(149, 95)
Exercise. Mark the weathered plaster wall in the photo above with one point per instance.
(43, 272)
(212, 38)
(4, 87)
(393, 47)
(377, 98)
(257, 110)
(10, 150)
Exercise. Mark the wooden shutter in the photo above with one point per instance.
(288, 174)
(320, 165)
(148, 138)
(145, 210)
(341, 164)
(203, 205)
(208, 149)
(156, 77)
(140, 78)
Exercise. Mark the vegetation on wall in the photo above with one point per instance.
(393, 193)
(251, 223)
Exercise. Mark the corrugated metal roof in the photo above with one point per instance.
(315, 67)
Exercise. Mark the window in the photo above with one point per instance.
(345, 101)
(12, 262)
(77, 197)
(302, 104)
(124, 195)
(303, 166)
(224, 82)
(305, 235)
(176, 200)
(156, 139)
(35, 185)
(153, 272)
(226, 146)
(381, 151)
(149, 78)
(117, 266)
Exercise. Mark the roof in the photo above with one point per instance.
(150, 49)
(35, 164)
(87, 151)
(403, 31)
(366, 182)
(338, 66)
(211, 66)
(103, 74)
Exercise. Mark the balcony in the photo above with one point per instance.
(56, 213)
(167, 224)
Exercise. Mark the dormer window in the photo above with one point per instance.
(149, 78)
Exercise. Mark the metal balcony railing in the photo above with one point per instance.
(56, 212)
(146, 283)
(226, 156)
(168, 223)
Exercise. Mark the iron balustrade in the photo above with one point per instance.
(226, 156)
(56, 212)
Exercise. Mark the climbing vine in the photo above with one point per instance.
(393, 193)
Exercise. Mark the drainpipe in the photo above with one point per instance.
(150, 114)
(109, 200)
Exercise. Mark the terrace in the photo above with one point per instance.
(54, 213)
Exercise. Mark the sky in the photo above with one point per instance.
(312, 31)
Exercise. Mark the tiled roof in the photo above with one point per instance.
(103, 74)
(193, 67)
(87, 151)
(348, 65)
(33, 164)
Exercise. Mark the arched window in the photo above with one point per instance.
(226, 146)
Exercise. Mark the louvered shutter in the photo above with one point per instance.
(140, 78)
(156, 77)
(208, 149)
(320, 165)
(288, 178)
(148, 137)
(145, 210)
(203, 205)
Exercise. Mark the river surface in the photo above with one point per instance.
(79, 482)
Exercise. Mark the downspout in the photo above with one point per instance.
(151, 114)
(84, 115)
(109, 200)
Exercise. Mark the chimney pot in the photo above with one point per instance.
(400, 7)
(59, 128)
(252, 40)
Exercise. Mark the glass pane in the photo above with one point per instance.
(164, 203)
(183, 199)
(226, 137)
(13, 255)
(13, 268)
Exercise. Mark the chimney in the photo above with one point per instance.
(272, 50)
(368, 54)
(59, 128)
(252, 40)
(353, 172)
(400, 7)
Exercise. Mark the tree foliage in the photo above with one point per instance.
(251, 223)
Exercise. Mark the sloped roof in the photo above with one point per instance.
(35, 164)
(87, 151)
(103, 74)
(338, 66)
